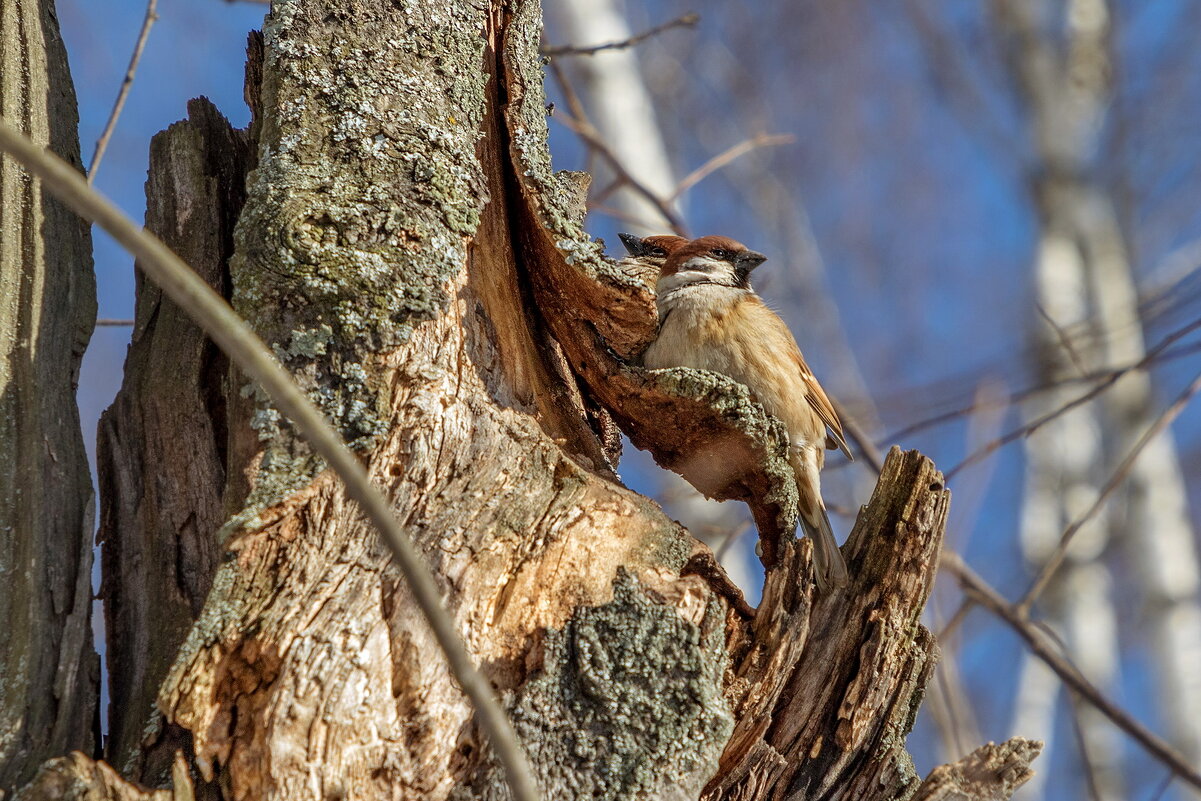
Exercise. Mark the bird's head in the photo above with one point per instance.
(712, 259)
(652, 249)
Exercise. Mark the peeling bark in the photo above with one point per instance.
(990, 773)
(48, 669)
(78, 778)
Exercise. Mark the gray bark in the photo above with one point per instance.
(159, 510)
(48, 668)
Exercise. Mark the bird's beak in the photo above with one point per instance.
(634, 244)
(749, 260)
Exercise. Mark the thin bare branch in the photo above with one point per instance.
(732, 536)
(235, 337)
(1086, 758)
(616, 213)
(1065, 340)
(688, 20)
(873, 460)
(113, 322)
(1040, 645)
(126, 84)
(1101, 386)
(1055, 560)
(1029, 392)
(725, 157)
(577, 121)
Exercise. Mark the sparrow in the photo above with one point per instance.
(711, 319)
(647, 255)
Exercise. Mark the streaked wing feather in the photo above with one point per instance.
(820, 403)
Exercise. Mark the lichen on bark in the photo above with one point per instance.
(628, 701)
(335, 266)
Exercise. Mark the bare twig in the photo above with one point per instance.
(956, 619)
(126, 84)
(1039, 644)
(1029, 392)
(731, 537)
(687, 21)
(616, 213)
(873, 460)
(725, 157)
(1101, 386)
(1065, 340)
(235, 337)
(1055, 560)
(1086, 758)
(577, 121)
(109, 321)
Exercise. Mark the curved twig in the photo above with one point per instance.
(983, 594)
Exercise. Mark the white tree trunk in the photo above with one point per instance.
(620, 106)
(1084, 277)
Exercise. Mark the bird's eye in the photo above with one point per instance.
(657, 251)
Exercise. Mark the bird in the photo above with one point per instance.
(711, 319)
(646, 256)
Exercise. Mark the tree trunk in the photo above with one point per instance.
(163, 444)
(1086, 287)
(49, 671)
(405, 248)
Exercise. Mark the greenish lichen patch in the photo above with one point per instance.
(628, 704)
(556, 192)
(366, 192)
(734, 404)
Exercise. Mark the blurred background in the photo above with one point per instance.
(983, 222)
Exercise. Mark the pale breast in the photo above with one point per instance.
(730, 331)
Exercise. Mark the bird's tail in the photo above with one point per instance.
(829, 567)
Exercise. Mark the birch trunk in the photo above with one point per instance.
(49, 671)
(404, 246)
(1085, 284)
(621, 108)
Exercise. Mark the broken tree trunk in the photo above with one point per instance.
(49, 671)
(404, 246)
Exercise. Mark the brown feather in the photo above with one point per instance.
(821, 404)
(681, 253)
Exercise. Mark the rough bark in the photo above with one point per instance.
(48, 668)
(990, 773)
(159, 511)
(406, 249)
(825, 689)
(78, 778)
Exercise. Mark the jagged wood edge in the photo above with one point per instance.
(825, 688)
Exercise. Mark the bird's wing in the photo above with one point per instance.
(820, 403)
